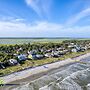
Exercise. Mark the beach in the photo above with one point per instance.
(32, 74)
(40, 69)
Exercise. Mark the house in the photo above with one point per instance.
(2, 66)
(19, 50)
(56, 54)
(85, 47)
(48, 55)
(48, 51)
(32, 52)
(65, 51)
(35, 56)
(32, 56)
(39, 56)
(74, 50)
(15, 54)
(60, 48)
(42, 50)
(71, 45)
(12, 62)
(22, 57)
(62, 52)
(78, 48)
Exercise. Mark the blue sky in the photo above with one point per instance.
(44, 18)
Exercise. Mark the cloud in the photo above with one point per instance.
(41, 29)
(11, 19)
(10, 28)
(79, 16)
(41, 7)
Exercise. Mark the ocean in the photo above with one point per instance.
(12, 41)
(73, 77)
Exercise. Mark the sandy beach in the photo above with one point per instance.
(40, 69)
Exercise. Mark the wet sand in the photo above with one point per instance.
(43, 70)
(34, 77)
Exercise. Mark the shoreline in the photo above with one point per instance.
(41, 69)
(33, 78)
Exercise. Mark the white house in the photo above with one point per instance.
(48, 55)
(12, 62)
(74, 50)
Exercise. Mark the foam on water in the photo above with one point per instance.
(74, 77)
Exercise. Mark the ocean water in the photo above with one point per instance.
(22, 40)
(74, 77)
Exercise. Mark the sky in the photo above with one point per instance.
(45, 18)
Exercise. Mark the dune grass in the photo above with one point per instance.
(34, 63)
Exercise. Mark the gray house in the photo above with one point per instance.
(39, 56)
(48, 55)
(1, 66)
(22, 57)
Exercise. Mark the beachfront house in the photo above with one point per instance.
(70, 46)
(2, 66)
(32, 56)
(35, 56)
(78, 48)
(39, 56)
(55, 54)
(74, 50)
(19, 50)
(32, 52)
(60, 49)
(48, 51)
(12, 62)
(22, 57)
(48, 55)
(84, 48)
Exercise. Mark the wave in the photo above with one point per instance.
(74, 77)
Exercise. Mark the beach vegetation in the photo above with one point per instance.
(37, 54)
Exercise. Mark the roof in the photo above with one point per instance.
(22, 57)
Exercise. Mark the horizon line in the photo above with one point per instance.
(44, 37)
